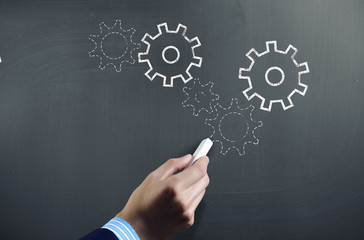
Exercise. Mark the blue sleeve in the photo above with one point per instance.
(99, 234)
(122, 229)
(115, 229)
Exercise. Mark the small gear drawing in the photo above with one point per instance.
(244, 123)
(200, 97)
(124, 37)
(254, 91)
(192, 44)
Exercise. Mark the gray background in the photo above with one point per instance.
(75, 140)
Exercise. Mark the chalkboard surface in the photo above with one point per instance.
(78, 132)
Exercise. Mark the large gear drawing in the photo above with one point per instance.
(247, 125)
(185, 74)
(200, 97)
(252, 91)
(126, 41)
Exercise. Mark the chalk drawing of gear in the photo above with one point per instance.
(170, 54)
(200, 97)
(279, 78)
(234, 127)
(111, 38)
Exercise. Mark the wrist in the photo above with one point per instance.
(137, 224)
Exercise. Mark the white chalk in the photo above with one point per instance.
(202, 149)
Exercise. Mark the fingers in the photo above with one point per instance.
(197, 201)
(190, 212)
(196, 189)
(173, 165)
(194, 173)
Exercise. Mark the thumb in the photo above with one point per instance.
(173, 165)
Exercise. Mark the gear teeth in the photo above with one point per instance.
(218, 108)
(286, 102)
(142, 57)
(249, 93)
(196, 62)
(239, 143)
(117, 68)
(107, 60)
(252, 54)
(151, 74)
(128, 59)
(185, 77)
(118, 22)
(163, 28)
(199, 104)
(243, 71)
(195, 42)
(285, 107)
(271, 46)
(234, 104)
(181, 29)
(305, 67)
(103, 28)
(266, 105)
(147, 39)
(132, 31)
(251, 108)
(255, 140)
(301, 89)
(292, 51)
(209, 85)
(260, 123)
(167, 82)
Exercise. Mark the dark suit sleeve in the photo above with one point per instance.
(100, 234)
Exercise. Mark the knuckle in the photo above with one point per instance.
(174, 188)
(152, 175)
(188, 219)
(207, 179)
(203, 192)
(172, 161)
(190, 223)
(182, 206)
(201, 168)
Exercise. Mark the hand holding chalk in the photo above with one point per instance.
(202, 150)
(169, 199)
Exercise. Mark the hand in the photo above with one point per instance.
(165, 203)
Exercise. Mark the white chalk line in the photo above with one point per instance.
(143, 56)
(205, 90)
(99, 52)
(252, 62)
(239, 144)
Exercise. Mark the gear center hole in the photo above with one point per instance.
(233, 126)
(114, 45)
(274, 76)
(200, 96)
(170, 54)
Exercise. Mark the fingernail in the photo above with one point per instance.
(205, 157)
(185, 157)
(208, 159)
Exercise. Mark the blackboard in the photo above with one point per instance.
(76, 139)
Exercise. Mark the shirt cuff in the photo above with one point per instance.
(122, 229)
